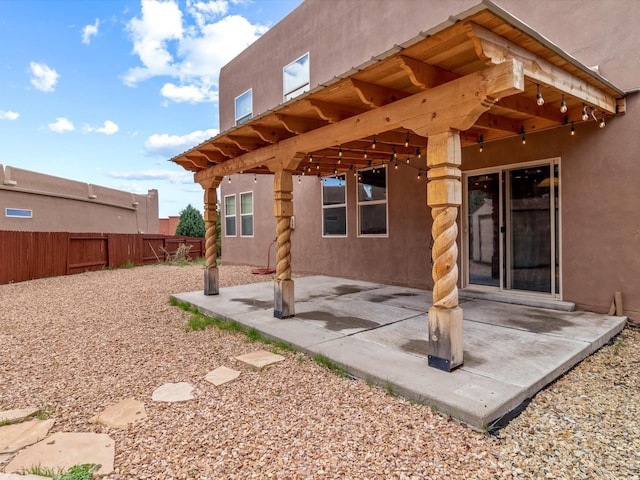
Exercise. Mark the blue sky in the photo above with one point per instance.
(106, 91)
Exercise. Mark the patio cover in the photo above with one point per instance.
(471, 80)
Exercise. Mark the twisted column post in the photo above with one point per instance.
(211, 239)
(283, 289)
(444, 196)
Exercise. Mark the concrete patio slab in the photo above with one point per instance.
(18, 435)
(221, 375)
(379, 332)
(63, 450)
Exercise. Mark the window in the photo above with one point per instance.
(295, 77)
(372, 202)
(244, 107)
(230, 215)
(18, 213)
(246, 214)
(334, 207)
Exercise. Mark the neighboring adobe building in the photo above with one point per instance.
(522, 114)
(34, 202)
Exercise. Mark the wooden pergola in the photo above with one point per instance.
(476, 79)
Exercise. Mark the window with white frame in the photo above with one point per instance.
(230, 215)
(18, 213)
(244, 107)
(246, 214)
(295, 77)
(334, 206)
(372, 202)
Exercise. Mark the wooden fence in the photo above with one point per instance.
(31, 255)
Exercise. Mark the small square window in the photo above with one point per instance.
(244, 107)
(295, 77)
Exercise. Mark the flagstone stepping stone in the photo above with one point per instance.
(121, 414)
(63, 450)
(221, 375)
(16, 476)
(173, 392)
(17, 435)
(17, 414)
(260, 358)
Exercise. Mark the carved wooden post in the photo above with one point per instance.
(283, 291)
(211, 239)
(444, 196)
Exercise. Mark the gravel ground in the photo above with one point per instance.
(77, 344)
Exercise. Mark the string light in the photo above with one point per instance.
(573, 129)
(229, 178)
(563, 105)
(406, 142)
(524, 140)
(481, 141)
(299, 178)
(418, 153)
(364, 153)
(419, 174)
(335, 170)
(585, 115)
(395, 167)
(311, 158)
(255, 178)
(539, 99)
(339, 155)
(318, 166)
(602, 124)
(373, 146)
(395, 154)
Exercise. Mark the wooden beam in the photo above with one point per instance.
(454, 105)
(375, 95)
(495, 49)
(424, 75)
(332, 112)
(270, 134)
(299, 125)
(246, 143)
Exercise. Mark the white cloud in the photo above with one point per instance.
(9, 115)
(193, 55)
(61, 125)
(43, 77)
(109, 128)
(187, 93)
(160, 23)
(90, 31)
(166, 145)
(156, 175)
(204, 12)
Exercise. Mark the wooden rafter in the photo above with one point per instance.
(299, 125)
(375, 95)
(424, 75)
(270, 134)
(456, 104)
(495, 49)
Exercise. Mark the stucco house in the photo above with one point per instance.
(35, 202)
(489, 148)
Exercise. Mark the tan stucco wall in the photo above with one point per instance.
(599, 168)
(342, 34)
(62, 205)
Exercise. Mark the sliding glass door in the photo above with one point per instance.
(512, 228)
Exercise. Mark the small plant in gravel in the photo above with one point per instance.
(330, 364)
(180, 257)
(388, 386)
(44, 413)
(617, 346)
(84, 471)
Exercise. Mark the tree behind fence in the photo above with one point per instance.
(31, 255)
